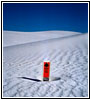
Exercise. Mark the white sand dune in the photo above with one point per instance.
(68, 54)
(14, 38)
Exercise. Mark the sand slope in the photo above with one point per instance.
(14, 38)
(68, 55)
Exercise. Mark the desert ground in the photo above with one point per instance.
(24, 54)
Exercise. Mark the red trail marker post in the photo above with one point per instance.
(46, 71)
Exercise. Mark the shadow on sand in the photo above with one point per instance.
(37, 80)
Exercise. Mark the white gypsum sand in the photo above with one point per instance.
(14, 38)
(24, 57)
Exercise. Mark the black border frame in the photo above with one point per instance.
(88, 56)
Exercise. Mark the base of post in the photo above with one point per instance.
(45, 79)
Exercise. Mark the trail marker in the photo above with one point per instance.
(46, 71)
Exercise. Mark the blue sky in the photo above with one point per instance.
(32, 17)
